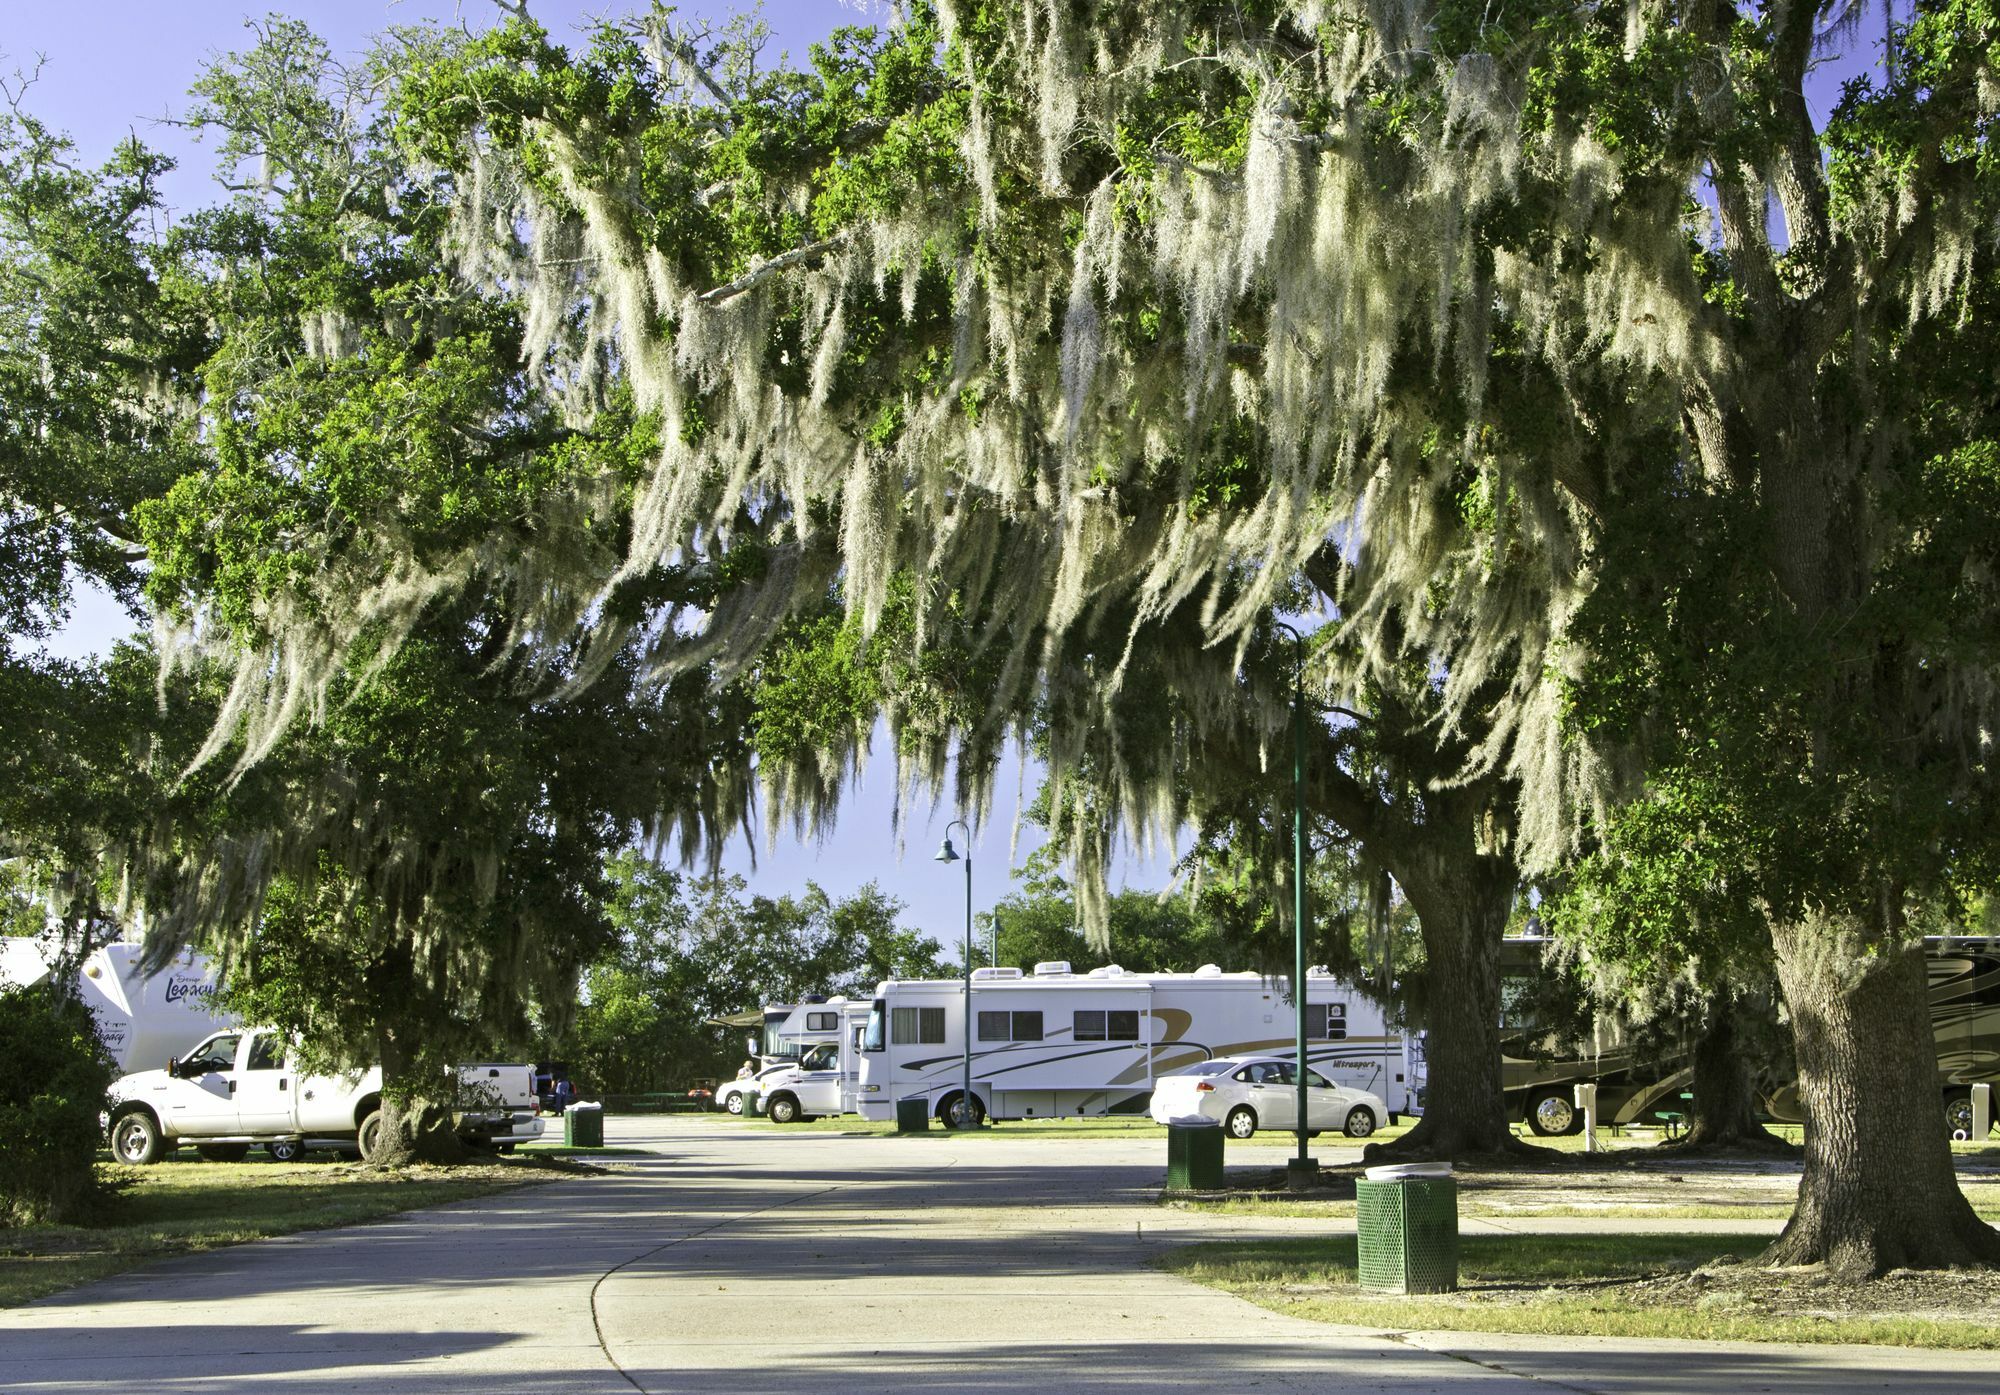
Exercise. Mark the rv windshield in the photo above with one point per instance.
(871, 1035)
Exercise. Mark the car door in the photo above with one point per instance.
(201, 1095)
(264, 1086)
(1326, 1103)
(1271, 1094)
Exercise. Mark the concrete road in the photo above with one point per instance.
(746, 1261)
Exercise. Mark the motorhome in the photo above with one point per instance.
(143, 1018)
(1640, 1082)
(788, 1032)
(1053, 1043)
(827, 1077)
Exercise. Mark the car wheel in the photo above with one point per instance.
(1242, 1121)
(1360, 1121)
(953, 1113)
(135, 1139)
(223, 1152)
(783, 1109)
(286, 1149)
(734, 1104)
(1551, 1114)
(370, 1135)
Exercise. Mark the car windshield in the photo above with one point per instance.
(1201, 1068)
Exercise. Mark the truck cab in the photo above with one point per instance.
(808, 1089)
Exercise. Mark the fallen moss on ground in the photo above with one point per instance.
(1689, 1287)
(181, 1207)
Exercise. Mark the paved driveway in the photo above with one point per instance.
(743, 1261)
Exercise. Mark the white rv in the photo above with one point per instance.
(143, 1019)
(827, 1077)
(1055, 1043)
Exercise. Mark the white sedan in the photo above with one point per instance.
(1245, 1094)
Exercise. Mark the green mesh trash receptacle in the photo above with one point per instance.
(1194, 1155)
(583, 1126)
(913, 1115)
(1406, 1229)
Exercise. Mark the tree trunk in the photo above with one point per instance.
(1878, 1192)
(1462, 900)
(1725, 1088)
(416, 1127)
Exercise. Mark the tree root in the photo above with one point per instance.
(1753, 1143)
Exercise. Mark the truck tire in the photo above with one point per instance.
(286, 1150)
(135, 1138)
(948, 1112)
(782, 1109)
(370, 1135)
(223, 1152)
(1553, 1114)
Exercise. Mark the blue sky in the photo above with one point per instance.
(110, 68)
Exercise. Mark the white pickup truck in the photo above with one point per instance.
(240, 1087)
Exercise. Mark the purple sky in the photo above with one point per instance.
(115, 67)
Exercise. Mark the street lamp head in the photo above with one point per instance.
(946, 853)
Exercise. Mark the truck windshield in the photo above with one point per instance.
(871, 1035)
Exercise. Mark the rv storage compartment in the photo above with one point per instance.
(1194, 1155)
(913, 1114)
(583, 1126)
(1406, 1224)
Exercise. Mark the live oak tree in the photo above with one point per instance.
(1088, 321)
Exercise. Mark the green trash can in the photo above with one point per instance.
(1406, 1228)
(1194, 1155)
(913, 1114)
(583, 1126)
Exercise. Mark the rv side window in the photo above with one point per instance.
(1010, 1026)
(871, 1034)
(822, 1022)
(1120, 1024)
(916, 1026)
(1326, 1021)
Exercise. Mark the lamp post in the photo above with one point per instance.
(947, 854)
(1300, 1169)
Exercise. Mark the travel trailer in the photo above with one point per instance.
(142, 1018)
(1539, 1072)
(1053, 1043)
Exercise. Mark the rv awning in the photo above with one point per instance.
(754, 1017)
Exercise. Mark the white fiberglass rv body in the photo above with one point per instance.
(827, 1078)
(1055, 1043)
(142, 1018)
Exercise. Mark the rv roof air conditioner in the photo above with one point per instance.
(981, 974)
(1053, 968)
(1209, 971)
(1108, 971)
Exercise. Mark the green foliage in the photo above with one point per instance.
(57, 1073)
(688, 952)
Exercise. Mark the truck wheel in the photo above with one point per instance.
(734, 1104)
(1551, 1114)
(135, 1138)
(1360, 1121)
(782, 1109)
(370, 1135)
(953, 1114)
(1242, 1121)
(286, 1149)
(223, 1152)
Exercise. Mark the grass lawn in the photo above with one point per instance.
(1673, 1286)
(178, 1207)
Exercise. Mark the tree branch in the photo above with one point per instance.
(784, 261)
